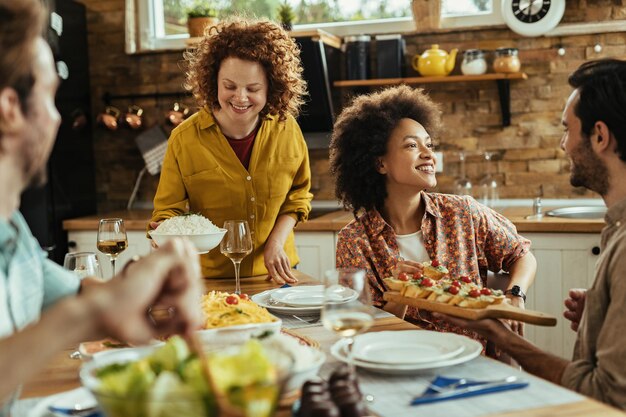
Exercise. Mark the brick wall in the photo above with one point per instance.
(527, 153)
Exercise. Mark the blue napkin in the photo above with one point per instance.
(285, 285)
(461, 391)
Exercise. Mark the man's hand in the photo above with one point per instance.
(168, 277)
(277, 263)
(575, 305)
(490, 329)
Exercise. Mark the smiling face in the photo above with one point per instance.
(586, 168)
(241, 93)
(410, 160)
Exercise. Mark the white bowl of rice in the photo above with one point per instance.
(198, 229)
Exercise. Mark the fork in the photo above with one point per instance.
(465, 382)
(313, 320)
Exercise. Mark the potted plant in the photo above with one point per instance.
(286, 15)
(201, 15)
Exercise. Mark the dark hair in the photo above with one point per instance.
(360, 138)
(20, 23)
(259, 41)
(602, 88)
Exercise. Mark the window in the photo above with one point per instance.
(161, 24)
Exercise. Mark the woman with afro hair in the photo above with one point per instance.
(382, 156)
(242, 156)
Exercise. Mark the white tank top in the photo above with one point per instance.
(412, 247)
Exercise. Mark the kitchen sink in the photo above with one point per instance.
(579, 212)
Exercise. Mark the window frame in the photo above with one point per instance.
(148, 32)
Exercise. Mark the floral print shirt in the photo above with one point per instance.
(463, 235)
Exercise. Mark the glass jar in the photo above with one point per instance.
(474, 62)
(506, 60)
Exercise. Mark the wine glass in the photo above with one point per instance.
(83, 264)
(112, 239)
(347, 308)
(489, 185)
(236, 245)
(462, 186)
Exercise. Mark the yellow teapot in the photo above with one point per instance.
(435, 62)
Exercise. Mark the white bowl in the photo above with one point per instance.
(203, 243)
(300, 376)
(236, 334)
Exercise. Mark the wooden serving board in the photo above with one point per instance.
(497, 311)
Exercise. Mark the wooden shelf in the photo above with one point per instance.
(428, 80)
(503, 81)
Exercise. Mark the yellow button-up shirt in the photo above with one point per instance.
(201, 173)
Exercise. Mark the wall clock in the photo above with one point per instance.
(532, 17)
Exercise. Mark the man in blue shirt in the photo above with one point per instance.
(44, 308)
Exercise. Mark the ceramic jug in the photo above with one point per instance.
(435, 62)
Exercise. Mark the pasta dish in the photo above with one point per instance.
(222, 309)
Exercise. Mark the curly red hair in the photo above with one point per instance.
(260, 41)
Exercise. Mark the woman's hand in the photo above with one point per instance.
(409, 267)
(277, 263)
(154, 225)
(575, 305)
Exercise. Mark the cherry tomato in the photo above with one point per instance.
(232, 299)
(427, 282)
(417, 275)
(453, 290)
(403, 276)
(434, 263)
(455, 283)
(474, 293)
(466, 279)
(485, 291)
(244, 296)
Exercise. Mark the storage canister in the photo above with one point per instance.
(357, 57)
(506, 60)
(474, 62)
(389, 56)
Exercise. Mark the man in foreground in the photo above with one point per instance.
(44, 308)
(594, 120)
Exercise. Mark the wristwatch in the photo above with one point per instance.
(516, 291)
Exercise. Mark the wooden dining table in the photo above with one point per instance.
(61, 374)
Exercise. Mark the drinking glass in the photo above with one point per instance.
(489, 185)
(462, 186)
(236, 245)
(83, 264)
(112, 239)
(349, 315)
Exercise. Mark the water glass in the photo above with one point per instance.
(83, 264)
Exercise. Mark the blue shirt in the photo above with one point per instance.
(29, 282)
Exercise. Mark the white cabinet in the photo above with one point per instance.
(316, 251)
(564, 261)
(85, 241)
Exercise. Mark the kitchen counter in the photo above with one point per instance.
(335, 221)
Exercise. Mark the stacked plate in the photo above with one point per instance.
(302, 299)
(407, 352)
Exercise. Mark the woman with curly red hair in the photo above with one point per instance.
(383, 160)
(242, 156)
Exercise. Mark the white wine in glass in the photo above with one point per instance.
(236, 245)
(112, 239)
(347, 309)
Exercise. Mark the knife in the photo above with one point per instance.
(469, 391)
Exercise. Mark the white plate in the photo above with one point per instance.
(264, 300)
(397, 348)
(471, 349)
(310, 295)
